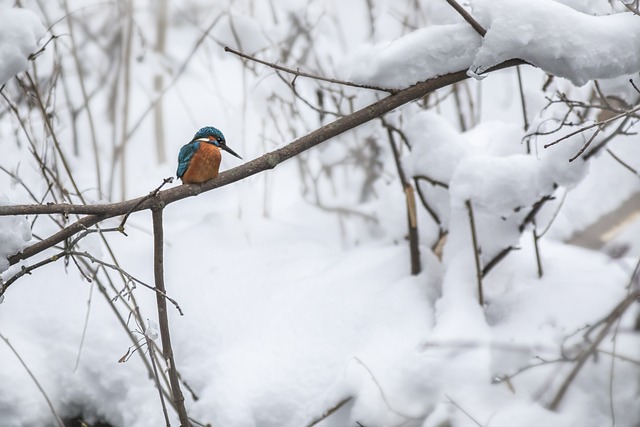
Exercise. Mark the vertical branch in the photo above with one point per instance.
(158, 83)
(152, 357)
(163, 318)
(522, 100)
(536, 237)
(413, 229)
(476, 254)
(85, 96)
(410, 197)
(458, 102)
(126, 60)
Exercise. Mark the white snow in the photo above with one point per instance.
(557, 38)
(550, 35)
(420, 55)
(437, 147)
(501, 185)
(15, 232)
(20, 31)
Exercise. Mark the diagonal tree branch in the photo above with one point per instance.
(98, 213)
(467, 17)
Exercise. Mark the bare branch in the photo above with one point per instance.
(330, 411)
(410, 198)
(607, 323)
(69, 253)
(297, 73)
(265, 162)
(623, 163)
(476, 250)
(467, 17)
(478, 423)
(163, 318)
(151, 347)
(596, 124)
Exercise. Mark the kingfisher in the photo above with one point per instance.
(199, 160)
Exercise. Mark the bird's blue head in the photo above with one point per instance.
(212, 135)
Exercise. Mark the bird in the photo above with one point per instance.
(199, 160)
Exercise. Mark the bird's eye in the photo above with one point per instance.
(219, 139)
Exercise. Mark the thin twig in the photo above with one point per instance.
(536, 247)
(78, 63)
(176, 76)
(432, 181)
(121, 151)
(476, 254)
(382, 393)
(151, 347)
(611, 318)
(123, 322)
(623, 163)
(531, 216)
(153, 193)
(603, 143)
(529, 219)
(69, 253)
(36, 382)
(500, 378)
(326, 414)
(84, 328)
(467, 17)
(522, 100)
(587, 144)
(297, 73)
(596, 124)
(496, 259)
(478, 423)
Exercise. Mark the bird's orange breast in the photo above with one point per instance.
(204, 164)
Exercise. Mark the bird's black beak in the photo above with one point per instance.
(229, 150)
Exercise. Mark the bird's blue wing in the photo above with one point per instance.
(185, 155)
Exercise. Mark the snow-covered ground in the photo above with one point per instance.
(295, 284)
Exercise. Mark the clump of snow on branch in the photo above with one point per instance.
(550, 35)
(558, 39)
(20, 30)
(420, 55)
(501, 185)
(15, 232)
(437, 147)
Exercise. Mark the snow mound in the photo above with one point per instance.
(437, 147)
(20, 30)
(501, 185)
